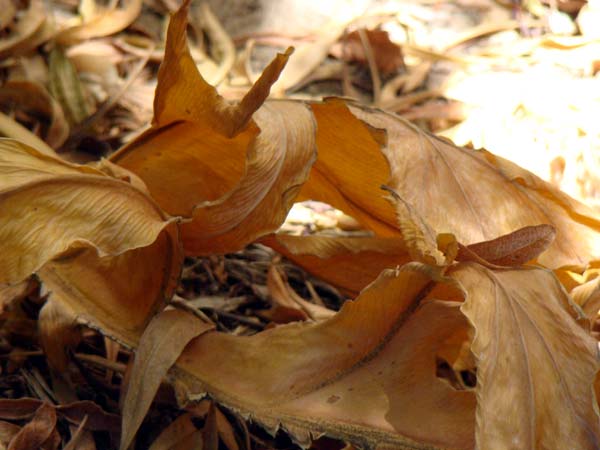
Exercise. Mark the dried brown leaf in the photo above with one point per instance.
(103, 22)
(58, 334)
(233, 173)
(160, 345)
(472, 186)
(587, 295)
(420, 239)
(288, 306)
(387, 55)
(366, 375)
(7, 432)
(350, 263)
(98, 419)
(21, 34)
(34, 98)
(177, 430)
(512, 249)
(536, 365)
(66, 87)
(33, 435)
(83, 230)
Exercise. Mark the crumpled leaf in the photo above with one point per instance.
(349, 263)
(82, 230)
(472, 194)
(534, 361)
(366, 375)
(192, 159)
(160, 345)
(352, 185)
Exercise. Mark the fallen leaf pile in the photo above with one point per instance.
(475, 289)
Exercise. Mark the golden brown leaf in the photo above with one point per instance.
(366, 375)
(420, 239)
(472, 194)
(349, 263)
(351, 183)
(83, 230)
(536, 365)
(234, 173)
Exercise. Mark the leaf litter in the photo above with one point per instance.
(447, 264)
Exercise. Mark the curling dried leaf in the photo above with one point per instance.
(37, 432)
(367, 375)
(103, 22)
(30, 22)
(587, 295)
(206, 158)
(472, 194)
(7, 432)
(57, 334)
(177, 430)
(350, 169)
(420, 239)
(160, 345)
(103, 247)
(534, 361)
(33, 97)
(512, 249)
(349, 263)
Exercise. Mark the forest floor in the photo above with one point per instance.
(519, 79)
